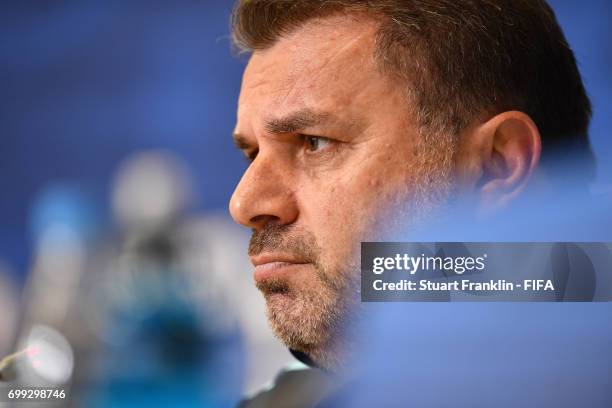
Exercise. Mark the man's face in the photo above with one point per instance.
(332, 144)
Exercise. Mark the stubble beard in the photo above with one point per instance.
(320, 319)
(312, 318)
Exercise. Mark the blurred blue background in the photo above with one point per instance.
(86, 84)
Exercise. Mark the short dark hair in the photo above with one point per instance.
(460, 58)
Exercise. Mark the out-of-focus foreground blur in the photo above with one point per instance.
(121, 273)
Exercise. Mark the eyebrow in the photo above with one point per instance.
(294, 122)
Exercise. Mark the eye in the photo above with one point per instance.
(316, 143)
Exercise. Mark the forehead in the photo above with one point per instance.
(327, 64)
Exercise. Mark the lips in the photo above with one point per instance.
(271, 266)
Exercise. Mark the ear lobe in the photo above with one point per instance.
(510, 155)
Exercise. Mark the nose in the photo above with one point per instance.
(264, 195)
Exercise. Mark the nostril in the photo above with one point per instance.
(264, 219)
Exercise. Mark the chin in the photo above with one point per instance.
(308, 324)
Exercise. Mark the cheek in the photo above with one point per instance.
(341, 214)
(345, 208)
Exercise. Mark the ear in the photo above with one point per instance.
(498, 157)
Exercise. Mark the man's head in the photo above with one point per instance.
(358, 114)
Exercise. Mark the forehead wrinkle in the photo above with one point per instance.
(343, 51)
